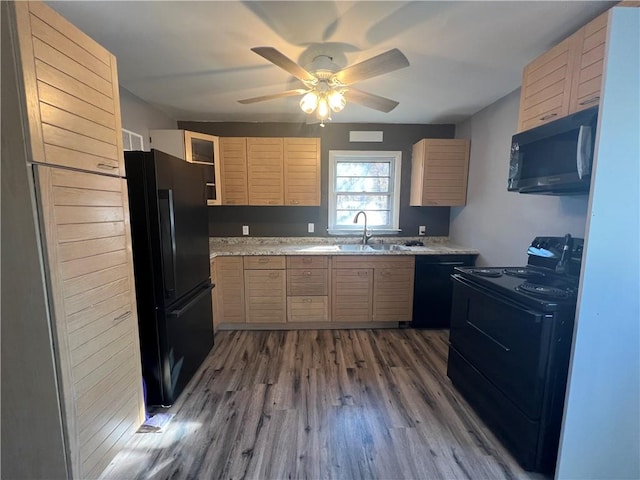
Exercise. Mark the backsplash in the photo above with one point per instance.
(223, 241)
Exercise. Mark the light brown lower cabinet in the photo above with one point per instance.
(265, 293)
(228, 293)
(393, 294)
(85, 220)
(351, 294)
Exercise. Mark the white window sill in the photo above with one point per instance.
(354, 232)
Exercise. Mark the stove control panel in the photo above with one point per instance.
(551, 247)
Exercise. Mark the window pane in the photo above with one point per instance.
(362, 202)
(374, 218)
(360, 184)
(363, 169)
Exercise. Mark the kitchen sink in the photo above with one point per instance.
(355, 248)
(387, 247)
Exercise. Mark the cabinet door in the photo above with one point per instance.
(546, 85)
(265, 166)
(71, 84)
(439, 172)
(204, 149)
(228, 294)
(351, 294)
(588, 63)
(233, 169)
(393, 294)
(265, 296)
(302, 171)
(85, 218)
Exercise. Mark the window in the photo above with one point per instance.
(367, 181)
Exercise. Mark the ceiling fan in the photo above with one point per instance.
(327, 87)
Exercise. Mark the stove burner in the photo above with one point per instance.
(543, 291)
(523, 273)
(486, 272)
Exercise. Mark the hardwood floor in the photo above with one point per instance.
(325, 404)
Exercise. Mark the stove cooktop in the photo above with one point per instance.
(543, 290)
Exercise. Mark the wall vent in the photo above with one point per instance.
(131, 141)
(365, 136)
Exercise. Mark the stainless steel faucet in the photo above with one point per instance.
(365, 236)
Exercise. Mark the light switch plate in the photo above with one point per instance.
(422, 230)
(245, 229)
(311, 228)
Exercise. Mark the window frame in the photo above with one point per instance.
(394, 194)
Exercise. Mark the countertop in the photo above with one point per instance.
(328, 246)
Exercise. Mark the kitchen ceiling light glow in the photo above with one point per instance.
(323, 99)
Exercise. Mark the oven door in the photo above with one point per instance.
(506, 342)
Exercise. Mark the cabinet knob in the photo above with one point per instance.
(307, 273)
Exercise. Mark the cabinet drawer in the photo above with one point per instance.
(307, 261)
(373, 261)
(308, 309)
(312, 281)
(261, 262)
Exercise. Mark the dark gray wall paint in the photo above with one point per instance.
(292, 221)
(32, 442)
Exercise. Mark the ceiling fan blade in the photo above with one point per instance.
(284, 62)
(370, 100)
(384, 63)
(288, 93)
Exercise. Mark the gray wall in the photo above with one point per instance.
(32, 443)
(139, 117)
(601, 429)
(292, 221)
(501, 224)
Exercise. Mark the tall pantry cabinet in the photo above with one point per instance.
(71, 123)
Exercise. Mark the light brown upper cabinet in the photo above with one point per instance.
(265, 167)
(193, 147)
(302, 171)
(71, 86)
(586, 81)
(439, 172)
(270, 171)
(233, 170)
(565, 79)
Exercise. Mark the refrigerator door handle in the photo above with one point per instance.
(184, 308)
(168, 241)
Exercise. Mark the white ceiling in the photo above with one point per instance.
(193, 61)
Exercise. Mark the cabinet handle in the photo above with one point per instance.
(591, 100)
(106, 166)
(363, 274)
(307, 300)
(307, 273)
(547, 117)
(295, 202)
(120, 318)
(263, 260)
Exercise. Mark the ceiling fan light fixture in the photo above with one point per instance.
(336, 101)
(309, 102)
(323, 108)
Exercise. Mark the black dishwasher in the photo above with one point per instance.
(433, 288)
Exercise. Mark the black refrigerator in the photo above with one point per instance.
(170, 237)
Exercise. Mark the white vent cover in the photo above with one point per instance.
(365, 136)
(131, 141)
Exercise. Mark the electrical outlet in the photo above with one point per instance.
(245, 229)
(422, 230)
(311, 228)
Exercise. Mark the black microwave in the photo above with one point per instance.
(555, 158)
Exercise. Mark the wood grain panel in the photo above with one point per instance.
(69, 103)
(64, 45)
(302, 171)
(233, 169)
(307, 261)
(86, 198)
(111, 308)
(265, 296)
(68, 121)
(308, 309)
(66, 83)
(86, 231)
(81, 160)
(116, 333)
(74, 141)
(77, 285)
(307, 281)
(265, 171)
(229, 303)
(264, 262)
(351, 294)
(82, 335)
(372, 261)
(393, 295)
(88, 298)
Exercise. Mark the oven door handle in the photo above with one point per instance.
(488, 336)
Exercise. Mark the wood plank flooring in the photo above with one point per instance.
(327, 404)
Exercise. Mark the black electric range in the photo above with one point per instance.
(510, 343)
